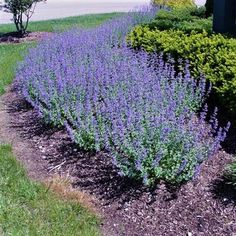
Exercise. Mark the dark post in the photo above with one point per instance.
(224, 16)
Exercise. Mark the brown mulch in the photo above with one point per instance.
(14, 38)
(204, 206)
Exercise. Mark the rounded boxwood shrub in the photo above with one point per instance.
(186, 19)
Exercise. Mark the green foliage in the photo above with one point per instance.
(9, 56)
(214, 56)
(174, 3)
(187, 20)
(199, 12)
(83, 21)
(231, 173)
(209, 7)
(28, 208)
(198, 25)
(20, 10)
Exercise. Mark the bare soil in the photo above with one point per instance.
(202, 207)
(25, 152)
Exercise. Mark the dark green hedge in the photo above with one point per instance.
(187, 20)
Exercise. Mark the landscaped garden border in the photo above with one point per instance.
(124, 200)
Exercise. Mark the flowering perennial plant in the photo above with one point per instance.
(129, 103)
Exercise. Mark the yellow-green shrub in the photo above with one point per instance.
(174, 3)
(214, 56)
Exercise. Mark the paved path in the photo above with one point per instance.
(63, 8)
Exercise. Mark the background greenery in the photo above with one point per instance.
(174, 3)
(185, 19)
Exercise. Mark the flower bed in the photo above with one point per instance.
(131, 104)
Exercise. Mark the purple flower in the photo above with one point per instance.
(129, 102)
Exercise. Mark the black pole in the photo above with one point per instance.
(224, 16)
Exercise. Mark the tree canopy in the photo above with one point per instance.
(22, 11)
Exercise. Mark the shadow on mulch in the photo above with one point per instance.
(15, 37)
(93, 171)
(213, 101)
(36, 125)
(230, 142)
(97, 175)
(224, 191)
(19, 105)
(12, 37)
(128, 207)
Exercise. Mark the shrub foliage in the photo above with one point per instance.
(187, 20)
(231, 173)
(112, 98)
(212, 55)
(20, 10)
(174, 3)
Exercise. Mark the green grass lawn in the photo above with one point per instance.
(9, 56)
(62, 24)
(27, 208)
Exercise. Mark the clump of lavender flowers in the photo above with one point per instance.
(110, 97)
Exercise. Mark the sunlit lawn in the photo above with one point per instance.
(64, 23)
(28, 208)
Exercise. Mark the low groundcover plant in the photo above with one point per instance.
(131, 104)
(231, 173)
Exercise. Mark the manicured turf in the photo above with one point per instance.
(27, 208)
(9, 56)
(62, 24)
